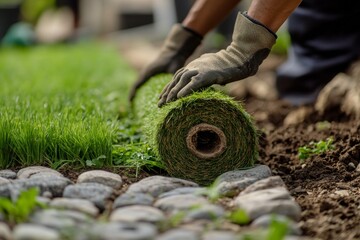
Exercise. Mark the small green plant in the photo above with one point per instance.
(19, 211)
(315, 148)
(238, 216)
(277, 230)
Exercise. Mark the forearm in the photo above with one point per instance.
(272, 13)
(204, 15)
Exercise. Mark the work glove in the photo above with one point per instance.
(180, 43)
(251, 44)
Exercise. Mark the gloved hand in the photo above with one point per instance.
(177, 48)
(251, 44)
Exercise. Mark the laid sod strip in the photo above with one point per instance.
(197, 137)
(60, 104)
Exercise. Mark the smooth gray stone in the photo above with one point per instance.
(133, 198)
(53, 184)
(5, 232)
(123, 231)
(205, 211)
(265, 195)
(4, 181)
(180, 202)
(59, 219)
(81, 205)
(43, 200)
(265, 221)
(35, 232)
(94, 192)
(270, 182)
(217, 235)
(179, 234)
(7, 173)
(29, 171)
(137, 213)
(156, 185)
(103, 177)
(269, 201)
(231, 183)
(183, 190)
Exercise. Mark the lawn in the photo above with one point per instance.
(61, 104)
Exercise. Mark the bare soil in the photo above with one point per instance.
(326, 186)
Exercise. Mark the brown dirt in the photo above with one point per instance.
(326, 186)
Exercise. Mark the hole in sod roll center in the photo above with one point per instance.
(206, 141)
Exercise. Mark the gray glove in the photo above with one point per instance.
(251, 44)
(177, 48)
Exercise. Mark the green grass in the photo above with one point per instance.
(60, 104)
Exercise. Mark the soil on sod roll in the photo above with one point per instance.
(197, 137)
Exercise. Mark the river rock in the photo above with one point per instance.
(265, 221)
(5, 232)
(231, 183)
(156, 185)
(81, 205)
(133, 198)
(29, 171)
(137, 213)
(266, 183)
(35, 232)
(103, 177)
(59, 219)
(179, 202)
(123, 231)
(94, 192)
(4, 180)
(217, 235)
(204, 211)
(179, 234)
(269, 201)
(53, 184)
(7, 173)
(183, 190)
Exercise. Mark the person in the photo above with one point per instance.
(324, 41)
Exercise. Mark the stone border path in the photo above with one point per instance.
(156, 207)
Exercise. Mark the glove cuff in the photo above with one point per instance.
(258, 23)
(252, 35)
(182, 40)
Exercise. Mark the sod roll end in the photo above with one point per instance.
(198, 137)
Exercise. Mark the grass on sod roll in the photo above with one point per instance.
(197, 137)
(60, 104)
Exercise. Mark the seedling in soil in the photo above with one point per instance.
(19, 211)
(315, 148)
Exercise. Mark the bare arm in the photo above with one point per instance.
(206, 14)
(272, 13)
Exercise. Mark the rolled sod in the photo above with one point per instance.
(197, 137)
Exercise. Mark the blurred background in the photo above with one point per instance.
(136, 27)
